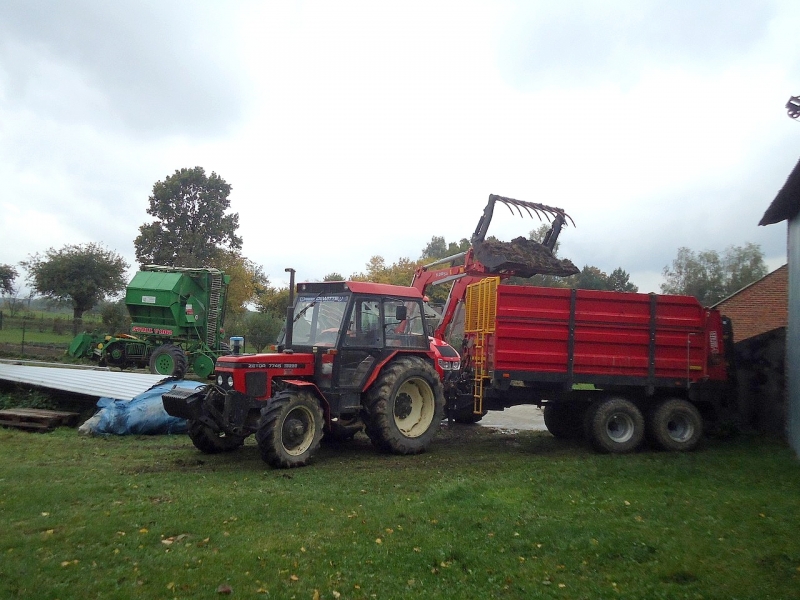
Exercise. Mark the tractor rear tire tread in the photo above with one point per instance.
(381, 422)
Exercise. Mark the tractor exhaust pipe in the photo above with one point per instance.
(289, 313)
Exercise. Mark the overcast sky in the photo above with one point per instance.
(350, 129)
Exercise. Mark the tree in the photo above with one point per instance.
(743, 265)
(261, 329)
(273, 301)
(191, 228)
(115, 316)
(438, 248)
(82, 275)
(334, 276)
(710, 277)
(399, 273)
(7, 276)
(248, 280)
(590, 278)
(619, 281)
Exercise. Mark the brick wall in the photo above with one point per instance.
(760, 307)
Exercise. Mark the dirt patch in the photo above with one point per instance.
(32, 351)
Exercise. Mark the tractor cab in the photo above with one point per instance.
(339, 335)
(351, 329)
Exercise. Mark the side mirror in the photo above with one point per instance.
(400, 313)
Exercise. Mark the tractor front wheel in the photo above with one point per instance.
(169, 360)
(405, 407)
(209, 441)
(290, 429)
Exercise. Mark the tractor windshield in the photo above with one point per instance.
(318, 319)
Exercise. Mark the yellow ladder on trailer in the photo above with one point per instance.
(481, 309)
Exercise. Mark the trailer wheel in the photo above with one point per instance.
(290, 429)
(564, 420)
(675, 425)
(169, 360)
(405, 407)
(209, 441)
(615, 425)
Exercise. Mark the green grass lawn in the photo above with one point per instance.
(482, 515)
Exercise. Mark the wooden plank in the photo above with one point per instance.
(25, 425)
(38, 419)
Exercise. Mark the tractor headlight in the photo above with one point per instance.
(219, 380)
(230, 381)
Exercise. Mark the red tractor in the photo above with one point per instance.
(354, 355)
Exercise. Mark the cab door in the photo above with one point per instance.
(361, 345)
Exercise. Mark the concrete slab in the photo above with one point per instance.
(517, 418)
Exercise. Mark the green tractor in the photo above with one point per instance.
(176, 324)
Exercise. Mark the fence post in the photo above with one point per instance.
(1, 319)
(23, 338)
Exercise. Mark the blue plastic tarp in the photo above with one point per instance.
(144, 415)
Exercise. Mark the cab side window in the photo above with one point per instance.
(403, 324)
(364, 324)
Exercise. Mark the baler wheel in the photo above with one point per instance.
(675, 425)
(169, 360)
(405, 406)
(290, 429)
(209, 441)
(615, 425)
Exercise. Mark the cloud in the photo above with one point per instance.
(352, 129)
(587, 43)
(154, 71)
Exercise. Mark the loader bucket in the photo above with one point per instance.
(521, 257)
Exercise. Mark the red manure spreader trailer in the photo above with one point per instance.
(614, 367)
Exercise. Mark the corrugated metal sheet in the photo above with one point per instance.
(90, 382)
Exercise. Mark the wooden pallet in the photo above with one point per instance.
(36, 419)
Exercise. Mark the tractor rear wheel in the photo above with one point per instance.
(169, 360)
(209, 441)
(405, 407)
(615, 425)
(290, 429)
(675, 425)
